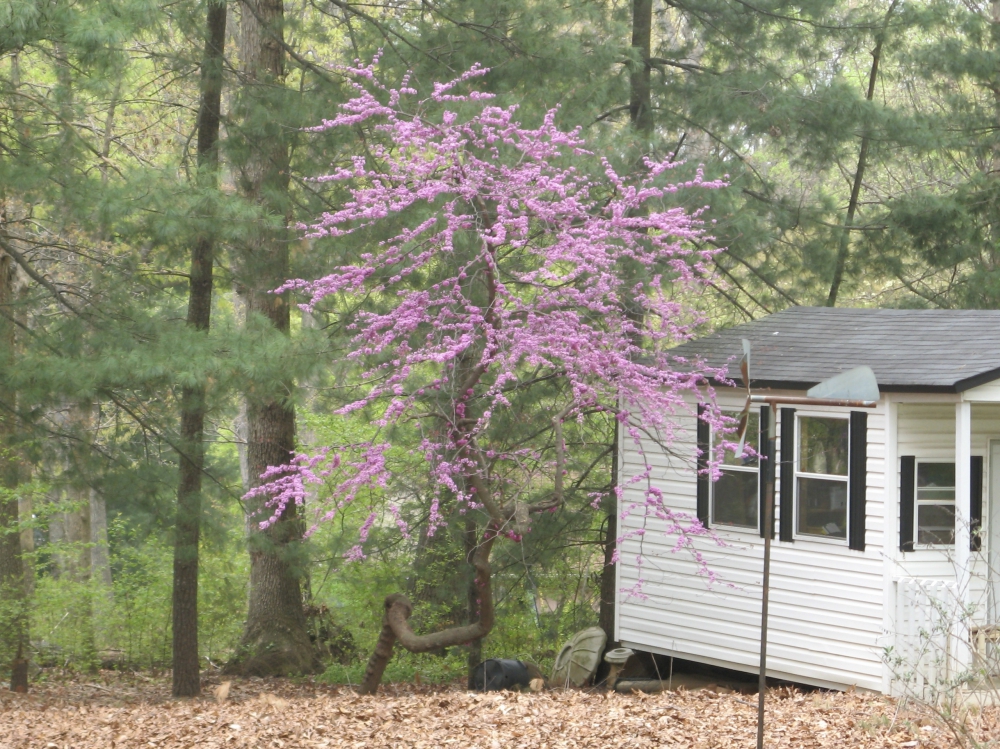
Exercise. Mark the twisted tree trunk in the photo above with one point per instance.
(398, 609)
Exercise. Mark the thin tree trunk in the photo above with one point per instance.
(474, 594)
(25, 510)
(606, 616)
(57, 536)
(76, 554)
(640, 78)
(994, 164)
(275, 641)
(13, 609)
(186, 672)
(100, 561)
(641, 116)
(844, 246)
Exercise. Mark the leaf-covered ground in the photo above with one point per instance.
(109, 710)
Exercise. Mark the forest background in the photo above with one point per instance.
(153, 171)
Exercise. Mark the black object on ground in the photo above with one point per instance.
(495, 674)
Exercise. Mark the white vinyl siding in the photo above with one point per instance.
(826, 601)
(927, 431)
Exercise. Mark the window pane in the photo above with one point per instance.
(936, 524)
(822, 507)
(823, 445)
(753, 430)
(736, 499)
(936, 474)
(945, 494)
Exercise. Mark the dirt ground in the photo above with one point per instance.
(114, 710)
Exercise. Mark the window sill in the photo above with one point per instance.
(828, 540)
(738, 530)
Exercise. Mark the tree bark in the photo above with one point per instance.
(77, 536)
(275, 641)
(13, 602)
(398, 609)
(186, 672)
(606, 616)
(473, 593)
(100, 561)
(640, 78)
(25, 510)
(844, 246)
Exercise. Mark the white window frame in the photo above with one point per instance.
(723, 527)
(796, 535)
(917, 503)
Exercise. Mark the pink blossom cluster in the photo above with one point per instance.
(527, 250)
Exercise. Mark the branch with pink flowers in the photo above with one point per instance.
(520, 237)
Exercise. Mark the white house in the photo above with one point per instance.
(879, 513)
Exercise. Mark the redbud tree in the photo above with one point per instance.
(514, 256)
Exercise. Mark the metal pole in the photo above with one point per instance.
(766, 583)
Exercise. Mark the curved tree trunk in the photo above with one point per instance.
(276, 641)
(398, 608)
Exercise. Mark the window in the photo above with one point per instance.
(735, 495)
(935, 505)
(821, 479)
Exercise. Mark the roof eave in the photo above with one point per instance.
(890, 388)
(976, 380)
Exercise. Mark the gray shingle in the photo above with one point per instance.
(909, 350)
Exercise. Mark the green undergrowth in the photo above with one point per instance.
(83, 624)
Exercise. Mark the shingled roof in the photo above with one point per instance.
(909, 350)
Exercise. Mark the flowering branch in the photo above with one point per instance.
(520, 250)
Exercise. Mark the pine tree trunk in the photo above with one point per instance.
(275, 641)
(186, 672)
(13, 612)
(844, 245)
(57, 536)
(24, 512)
(100, 561)
(640, 79)
(25, 508)
(77, 534)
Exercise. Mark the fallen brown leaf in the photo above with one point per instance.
(135, 711)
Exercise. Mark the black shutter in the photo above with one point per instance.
(857, 480)
(976, 503)
(766, 467)
(702, 463)
(786, 491)
(907, 478)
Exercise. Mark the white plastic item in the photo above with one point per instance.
(618, 656)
